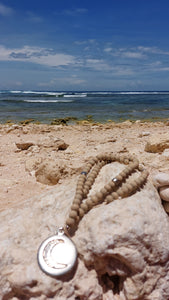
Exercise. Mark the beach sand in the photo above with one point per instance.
(18, 181)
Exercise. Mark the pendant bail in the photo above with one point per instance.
(60, 230)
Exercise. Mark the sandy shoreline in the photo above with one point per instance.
(17, 167)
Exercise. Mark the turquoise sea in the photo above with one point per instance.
(103, 106)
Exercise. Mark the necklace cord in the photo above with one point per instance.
(115, 189)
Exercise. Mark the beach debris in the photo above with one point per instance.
(33, 163)
(144, 133)
(25, 131)
(49, 171)
(34, 149)
(126, 123)
(123, 246)
(16, 126)
(157, 143)
(55, 144)
(110, 140)
(24, 145)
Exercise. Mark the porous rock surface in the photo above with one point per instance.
(157, 143)
(161, 179)
(49, 172)
(123, 247)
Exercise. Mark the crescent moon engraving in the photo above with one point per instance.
(48, 257)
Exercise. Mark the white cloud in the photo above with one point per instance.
(133, 54)
(108, 50)
(126, 52)
(98, 64)
(5, 10)
(139, 52)
(164, 69)
(36, 55)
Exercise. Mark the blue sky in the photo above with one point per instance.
(78, 45)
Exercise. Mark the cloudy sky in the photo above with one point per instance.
(78, 45)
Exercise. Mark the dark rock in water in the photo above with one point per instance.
(63, 121)
(25, 122)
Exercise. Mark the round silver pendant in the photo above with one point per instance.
(57, 255)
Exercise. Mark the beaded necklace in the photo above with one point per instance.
(57, 255)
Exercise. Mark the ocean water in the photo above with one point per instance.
(102, 106)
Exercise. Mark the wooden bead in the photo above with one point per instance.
(125, 190)
(99, 195)
(89, 203)
(129, 187)
(79, 188)
(133, 184)
(119, 177)
(115, 195)
(81, 213)
(112, 184)
(103, 191)
(94, 199)
(77, 200)
(86, 170)
(84, 207)
(75, 207)
(78, 195)
(81, 182)
(89, 181)
(129, 169)
(85, 192)
(108, 188)
(120, 193)
(109, 199)
(123, 174)
(87, 186)
(93, 161)
(70, 222)
(73, 214)
(137, 180)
